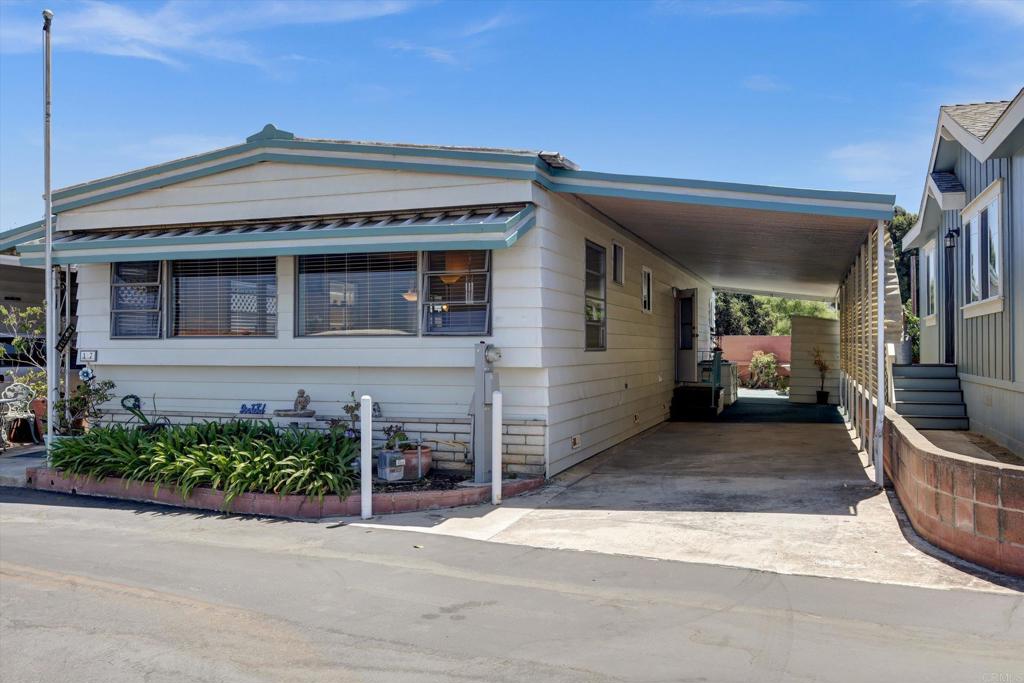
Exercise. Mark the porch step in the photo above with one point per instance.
(927, 383)
(930, 370)
(929, 422)
(920, 408)
(914, 396)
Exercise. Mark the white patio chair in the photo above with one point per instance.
(16, 404)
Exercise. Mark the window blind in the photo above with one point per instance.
(135, 299)
(457, 292)
(234, 297)
(357, 294)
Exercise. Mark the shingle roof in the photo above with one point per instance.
(947, 182)
(977, 119)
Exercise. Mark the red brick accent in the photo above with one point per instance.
(268, 504)
(972, 508)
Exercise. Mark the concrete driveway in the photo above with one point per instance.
(790, 498)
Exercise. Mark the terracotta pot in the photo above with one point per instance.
(417, 462)
(38, 408)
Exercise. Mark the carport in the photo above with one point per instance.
(808, 244)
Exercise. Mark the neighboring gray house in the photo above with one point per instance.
(969, 274)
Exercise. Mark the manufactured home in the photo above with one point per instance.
(213, 283)
(968, 245)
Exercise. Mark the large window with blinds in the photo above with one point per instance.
(457, 293)
(357, 294)
(234, 297)
(135, 300)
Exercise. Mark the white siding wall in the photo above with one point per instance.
(804, 379)
(271, 189)
(595, 394)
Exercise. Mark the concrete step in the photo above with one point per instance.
(927, 383)
(930, 422)
(930, 370)
(932, 409)
(914, 395)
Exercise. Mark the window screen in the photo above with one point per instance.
(224, 297)
(353, 294)
(457, 292)
(646, 290)
(594, 298)
(135, 299)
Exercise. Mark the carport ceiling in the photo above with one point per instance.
(748, 250)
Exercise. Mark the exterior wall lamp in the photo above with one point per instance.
(950, 237)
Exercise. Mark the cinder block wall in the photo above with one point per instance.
(450, 439)
(972, 508)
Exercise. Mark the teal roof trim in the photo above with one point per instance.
(25, 233)
(285, 250)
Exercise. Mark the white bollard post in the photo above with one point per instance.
(366, 457)
(496, 448)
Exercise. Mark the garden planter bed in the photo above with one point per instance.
(269, 504)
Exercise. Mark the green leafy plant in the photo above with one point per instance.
(821, 364)
(912, 327)
(234, 457)
(393, 436)
(82, 409)
(763, 371)
(28, 347)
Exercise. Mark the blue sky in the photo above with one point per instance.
(827, 95)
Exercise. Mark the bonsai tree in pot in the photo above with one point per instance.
(823, 367)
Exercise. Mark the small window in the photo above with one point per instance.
(646, 290)
(618, 264)
(457, 293)
(357, 294)
(928, 264)
(594, 313)
(235, 297)
(135, 300)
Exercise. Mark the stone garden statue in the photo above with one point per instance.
(300, 409)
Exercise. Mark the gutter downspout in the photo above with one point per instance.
(880, 354)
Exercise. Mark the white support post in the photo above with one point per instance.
(880, 352)
(51, 299)
(496, 419)
(366, 457)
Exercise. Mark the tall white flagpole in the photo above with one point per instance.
(51, 302)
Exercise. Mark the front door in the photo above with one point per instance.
(686, 336)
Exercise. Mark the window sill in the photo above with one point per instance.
(930, 320)
(986, 307)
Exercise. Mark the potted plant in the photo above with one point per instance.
(418, 459)
(76, 413)
(823, 367)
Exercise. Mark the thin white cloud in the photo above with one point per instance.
(175, 32)
(884, 165)
(1009, 11)
(498, 21)
(726, 8)
(434, 54)
(763, 83)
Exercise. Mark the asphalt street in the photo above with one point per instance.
(107, 592)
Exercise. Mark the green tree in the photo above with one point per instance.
(783, 310)
(902, 221)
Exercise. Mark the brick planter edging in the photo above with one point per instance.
(970, 507)
(269, 504)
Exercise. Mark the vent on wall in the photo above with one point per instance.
(575, 441)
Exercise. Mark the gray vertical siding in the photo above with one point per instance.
(985, 344)
(1015, 247)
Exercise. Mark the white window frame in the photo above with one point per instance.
(646, 289)
(159, 310)
(930, 282)
(618, 264)
(990, 198)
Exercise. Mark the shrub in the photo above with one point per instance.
(234, 457)
(764, 371)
